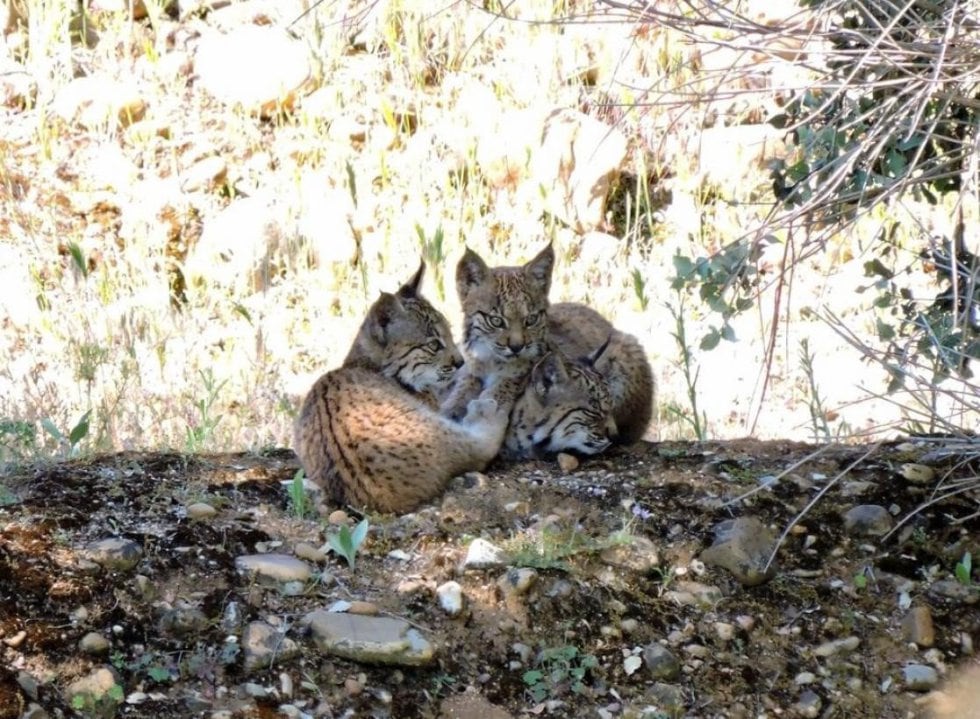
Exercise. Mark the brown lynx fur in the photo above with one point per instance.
(567, 400)
(367, 432)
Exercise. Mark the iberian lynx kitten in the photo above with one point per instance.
(368, 433)
(582, 383)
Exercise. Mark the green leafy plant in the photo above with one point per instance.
(75, 435)
(818, 415)
(299, 500)
(202, 431)
(964, 570)
(347, 542)
(558, 670)
(640, 289)
(697, 419)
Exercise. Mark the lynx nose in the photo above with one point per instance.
(515, 346)
(456, 362)
(612, 431)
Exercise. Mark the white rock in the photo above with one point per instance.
(257, 68)
(482, 554)
(450, 597)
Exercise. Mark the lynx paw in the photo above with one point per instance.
(481, 409)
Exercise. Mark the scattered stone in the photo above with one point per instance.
(482, 554)
(450, 598)
(694, 594)
(94, 643)
(856, 488)
(668, 698)
(639, 555)
(868, 520)
(917, 627)
(374, 640)
(201, 510)
(182, 621)
(16, 640)
(263, 644)
(260, 69)
(920, 677)
(367, 609)
(205, 174)
(287, 573)
(918, 473)
(661, 662)
(837, 646)
(567, 462)
(809, 704)
(631, 664)
(96, 694)
(724, 631)
(954, 591)
(804, 678)
(517, 581)
(629, 626)
(307, 552)
(743, 547)
(115, 553)
(231, 618)
(338, 517)
(94, 102)
(577, 161)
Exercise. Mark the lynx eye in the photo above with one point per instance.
(433, 345)
(532, 319)
(495, 321)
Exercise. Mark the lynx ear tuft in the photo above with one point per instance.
(539, 269)
(471, 272)
(411, 288)
(384, 311)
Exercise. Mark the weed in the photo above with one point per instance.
(640, 289)
(202, 432)
(346, 543)
(69, 444)
(553, 547)
(697, 419)
(964, 570)
(18, 441)
(299, 500)
(558, 670)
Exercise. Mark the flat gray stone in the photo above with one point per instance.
(373, 640)
(868, 520)
(115, 553)
(482, 554)
(263, 644)
(743, 547)
(920, 677)
(661, 662)
(917, 627)
(287, 573)
(954, 591)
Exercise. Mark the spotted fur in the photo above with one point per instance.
(368, 434)
(565, 407)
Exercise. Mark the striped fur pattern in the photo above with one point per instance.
(369, 433)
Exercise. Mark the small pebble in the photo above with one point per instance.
(567, 462)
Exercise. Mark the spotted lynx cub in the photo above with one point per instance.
(368, 433)
(580, 384)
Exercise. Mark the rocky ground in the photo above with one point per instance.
(166, 585)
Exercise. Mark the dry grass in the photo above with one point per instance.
(95, 226)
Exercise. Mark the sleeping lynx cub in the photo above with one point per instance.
(571, 396)
(367, 432)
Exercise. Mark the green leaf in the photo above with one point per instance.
(710, 340)
(683, 266)
(728, 333)
(79, 257)
(80, 430)
(50, 428)
(779, 121)
(158, 674)
(351, 182)
(360, 532)
(533, 676)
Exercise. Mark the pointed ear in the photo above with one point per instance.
(539, 269)
(549, 371)
(412, 287)
(470, 272)
(383, 312)
(597, 354)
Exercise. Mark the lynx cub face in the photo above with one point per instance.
(566, 406)
(505, 308)
(407, 339)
